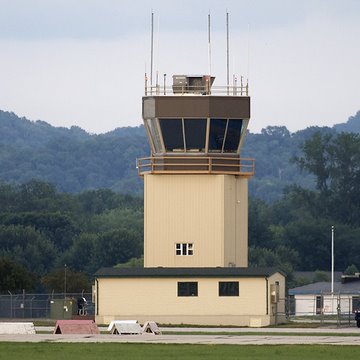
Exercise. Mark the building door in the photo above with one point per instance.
(319, 304)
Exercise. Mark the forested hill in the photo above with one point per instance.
(71, 159)
(75, 161)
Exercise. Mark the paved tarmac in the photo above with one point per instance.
(188, 339)
(260, 336)
(327, 330)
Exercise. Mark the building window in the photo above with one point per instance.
(228, 288)
(187, 289)
(173, 136)
(184, 249)
(233, 134)
(195, 134)
(224, 135)
(217, 134)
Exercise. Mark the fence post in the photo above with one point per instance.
(349, 310)
(23, 303)
(11, 304)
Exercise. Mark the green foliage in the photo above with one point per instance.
(305, 182)
(58, 227)
(58, 279)
(41, 229)
(321, 276)
(27, 247)
(116, 246)
(132, 263)
(80, 255)
(335, 162)
(14, 277)
(75, 161)
(71, 159)
(351, 270)
(273, 150)
(352, 125)
(296, 229)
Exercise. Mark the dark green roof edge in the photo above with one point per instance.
(185, 272)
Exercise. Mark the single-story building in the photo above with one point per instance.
(316, 298)
(201, 296)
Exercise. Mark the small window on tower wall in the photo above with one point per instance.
(184, 249)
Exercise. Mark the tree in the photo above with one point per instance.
(259, 221)
(132, 263)
(351, 270)
(335, 162)
(117, 246)
(28, 247)
(316, 159)
(345, 177)
(66, 280)
(57, 227)
(276, 131)
(262, 257)
(14, 277)
(81, 255)
(320, 276)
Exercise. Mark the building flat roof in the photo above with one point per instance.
(185, 272)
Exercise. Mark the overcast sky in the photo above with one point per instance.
(82, 62)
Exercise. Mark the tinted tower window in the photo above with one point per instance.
(195, 133)
(233, 135)
(172, 134)
(217, 133)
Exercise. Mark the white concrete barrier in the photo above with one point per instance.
(17, 328)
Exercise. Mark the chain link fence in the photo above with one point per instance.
(323, 309)
(26, 305)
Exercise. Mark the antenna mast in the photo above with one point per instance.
(227, 52)
(209, 46)
(248, 54)
(152, 50)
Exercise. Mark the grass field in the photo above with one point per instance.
(81, 351)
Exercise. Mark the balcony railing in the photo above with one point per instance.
(196, 165)
(163, 90)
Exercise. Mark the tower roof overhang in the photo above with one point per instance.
(196, 106)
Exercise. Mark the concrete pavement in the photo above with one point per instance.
(259, 336)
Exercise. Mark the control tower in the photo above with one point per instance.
(195, 182)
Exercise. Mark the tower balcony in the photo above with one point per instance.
(196, 165)
(196, 85)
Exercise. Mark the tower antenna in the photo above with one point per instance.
(227, 53)
(209, 46)
(157, 48)
(248, 53)
(152, 50)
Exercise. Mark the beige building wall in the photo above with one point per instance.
(208, 211)
(156, 299)
(277, 308)
(235, 221)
